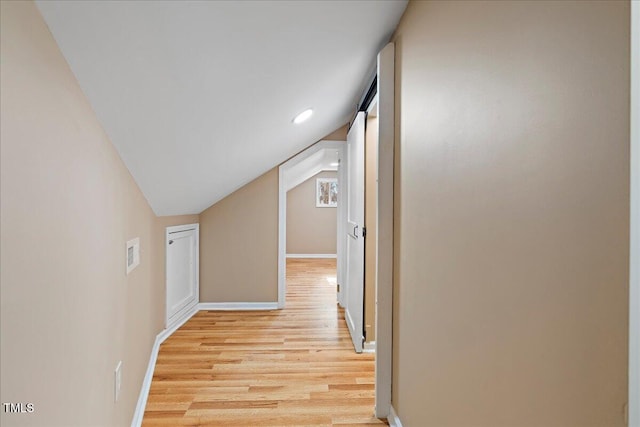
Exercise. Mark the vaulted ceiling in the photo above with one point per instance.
(199, 97)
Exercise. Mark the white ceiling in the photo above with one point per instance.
(199, 97)
(307, 164)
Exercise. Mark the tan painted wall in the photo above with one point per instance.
(339, 134)
(512, 249)
(169, 221)
(371, 222)
(310, 230)
(69, 312)
(239, 244)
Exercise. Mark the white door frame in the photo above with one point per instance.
(341, 242)
(634, 226)
(186, 311)
(291, 173)
(384, 255)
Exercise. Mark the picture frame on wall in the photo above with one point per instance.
(326, 192)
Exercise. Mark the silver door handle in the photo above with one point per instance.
(355, 231)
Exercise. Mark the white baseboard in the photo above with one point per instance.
(238, 306)
(394, 420)
(182, 316)
(312, 256)
(369, 347)
(146, 383)
(166, 333)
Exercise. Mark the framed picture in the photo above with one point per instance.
(326, 192)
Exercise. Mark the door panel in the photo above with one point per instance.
(181, 273)
(354, 310)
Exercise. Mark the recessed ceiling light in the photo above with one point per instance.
(334, 164)
(303, 116)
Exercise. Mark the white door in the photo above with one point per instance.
(354, 310)
(182, 271)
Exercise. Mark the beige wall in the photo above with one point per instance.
(371, 223)
(69, 312)
(239, 244)
(310, 230)
(512, 237)
(339, 134)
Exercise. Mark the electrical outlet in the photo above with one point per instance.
(118, 380)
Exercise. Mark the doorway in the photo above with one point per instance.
(320, 157)
(182, 266)
(293, 170)
(311, 216)
(361, 235)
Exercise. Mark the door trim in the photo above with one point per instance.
(384, 256)
(322, 256)
(289, 176)
(634, 229)
(236, 306)
(169, 323)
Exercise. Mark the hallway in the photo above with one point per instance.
(266, 368)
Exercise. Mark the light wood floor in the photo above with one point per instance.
(292, 367)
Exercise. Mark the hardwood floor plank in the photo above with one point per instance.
(291, 367)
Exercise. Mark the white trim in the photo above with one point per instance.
(286, 181)
(369, 347)
(353, 332)
(312, 256)
(282, 238)
(170, 322)
(239, 306)
(341, 235)
(372, 105)
(184, 312)
(634, 226)
(394, 420)
(384, 247)
(134, 246)
(166, 333)
(138, 415)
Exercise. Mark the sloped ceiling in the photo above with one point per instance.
(199, 97)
